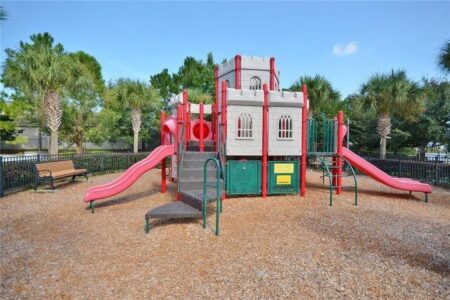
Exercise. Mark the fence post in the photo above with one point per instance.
(436, 173)
(1, 176)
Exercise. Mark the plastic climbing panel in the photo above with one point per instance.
(283, 177)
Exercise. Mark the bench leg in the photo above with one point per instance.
(53, 184)
(92, 206)
(35, 186)
(86, 176)
(73, 178)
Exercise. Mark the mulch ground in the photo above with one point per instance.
(392, 245)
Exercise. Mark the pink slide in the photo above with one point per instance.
(130, 176)
(367, 168)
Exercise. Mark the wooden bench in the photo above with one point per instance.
(50, 171)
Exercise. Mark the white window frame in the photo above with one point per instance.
(244, 127)
(285, 130)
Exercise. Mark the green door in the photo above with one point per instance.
(243, 177)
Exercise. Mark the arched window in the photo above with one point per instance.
(244, 128)
(285, 128)
(255, 83)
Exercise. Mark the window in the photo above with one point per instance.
(244, 127)
(255, 83)
(228, 83)
(285, 127)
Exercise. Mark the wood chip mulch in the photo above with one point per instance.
(392, 245)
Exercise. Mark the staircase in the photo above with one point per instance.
(190, 186)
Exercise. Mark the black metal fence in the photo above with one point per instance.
(17, 173)
(435, 172)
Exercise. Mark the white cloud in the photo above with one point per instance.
(346, 49)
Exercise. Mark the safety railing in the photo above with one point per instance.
(17, 173)
(206, 185)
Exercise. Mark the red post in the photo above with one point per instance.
(185, 116)
(224, 110)
(178, 139)
(224, 119)
(304, 142)
(188, 120)
(265, 142)
(162, 119)
(340, 124)
(215, 108)
(237, 73)
(272, 74)
(202, 119)
(213, 124)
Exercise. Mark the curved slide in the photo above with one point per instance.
(130, 176)
(367, 168)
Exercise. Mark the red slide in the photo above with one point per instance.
(367, 168)
(130, 176)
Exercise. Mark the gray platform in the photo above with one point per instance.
(173, 210)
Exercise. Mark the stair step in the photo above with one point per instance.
(192, 184)
(194, 198)
(192, 172)
(174, 210)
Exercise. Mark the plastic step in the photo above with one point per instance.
(174, 210)
(195, 198)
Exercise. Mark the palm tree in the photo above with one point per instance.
(321, 94)
(135, 96)
(43, 72)
(444, 58)
(388, 94)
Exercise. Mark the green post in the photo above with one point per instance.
(92, 206)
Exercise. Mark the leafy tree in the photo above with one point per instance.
(323, 98)
(444, 58)
(193, 74)
(43, 72)
(434, 123)
(79, 115)
(362, 123)
(8, 127)
(198, 96)
(389, 94)
(135, 97)
(164, 83)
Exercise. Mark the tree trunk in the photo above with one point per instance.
(78, 148)
(136, 142)
(53, 142)
(136, 123)
(383, 129)
(53, 114)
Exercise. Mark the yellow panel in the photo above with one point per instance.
(283, 179)
(284, 168)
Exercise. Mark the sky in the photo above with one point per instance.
(344, 41)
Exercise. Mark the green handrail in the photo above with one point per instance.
(205, 192)
(325, 167)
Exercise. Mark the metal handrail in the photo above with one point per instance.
(205, 192)
(325, 167)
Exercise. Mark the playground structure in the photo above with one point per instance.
(256, 143)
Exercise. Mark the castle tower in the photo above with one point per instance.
(250, 73)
